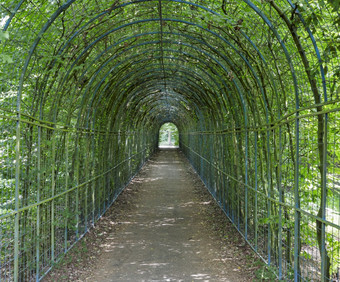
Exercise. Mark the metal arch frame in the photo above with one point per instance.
(186, 54)
(220, 66)
(124, 79)
(97, 40)
(127, 60)
(321, 69)
(107, 62)
(113, 119)
(122, 93)
(64, 7)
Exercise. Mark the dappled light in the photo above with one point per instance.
(247, 90)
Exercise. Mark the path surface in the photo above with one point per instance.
(163, 238)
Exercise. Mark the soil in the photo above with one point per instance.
(165, 226)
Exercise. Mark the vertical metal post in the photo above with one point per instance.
(102, 178)
(53, 201)
(269, 195)
(223, 175)
(255, 208)
(246, 188)
(202, 137)
(37, 251)
(280, 202)
(87, 179)
(17, 188)
(66, 188)
(93, 183)
(76, 175)
(297, 202)
(237, 191)
(211, 169)
(324, 203)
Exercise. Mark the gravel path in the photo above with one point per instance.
(166, 232)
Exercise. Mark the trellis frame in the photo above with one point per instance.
(96, 99)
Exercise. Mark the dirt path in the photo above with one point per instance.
(167, 233)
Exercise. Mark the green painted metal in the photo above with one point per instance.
(253, 87)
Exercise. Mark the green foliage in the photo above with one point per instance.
(164, 134)
(4, 35)
(94, 90)
(335, 4)
(6, 59)
(265, 273)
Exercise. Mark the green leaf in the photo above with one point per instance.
(6, 59)
(4, 35)
(335, 4)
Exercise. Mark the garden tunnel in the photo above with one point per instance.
(253, 87)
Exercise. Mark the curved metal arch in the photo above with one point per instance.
(212, 58)
(177, 117)
(125, 78)
(121, 94)
(149, 20)
(109, 11)
(138, 70)
(283, 46)
(124, 40)
(127, 59)
(138, 45)
(187, 75)
(156, 109)
(151, 114)
(36, 42)
(125, 102)
(173, 20)
(241, 96)
(168, 93)
(241, 56)
(153, 87)
(317, 52)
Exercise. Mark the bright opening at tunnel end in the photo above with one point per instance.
(168, 136)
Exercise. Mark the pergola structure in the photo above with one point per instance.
(253, 87)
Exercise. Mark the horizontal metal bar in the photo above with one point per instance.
(270, 126)
(69, 190)
(263, 194)
(68, 129)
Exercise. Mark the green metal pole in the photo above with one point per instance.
(246, 188)
(93, 182)
(297, 204)
(255, 208)
(87, 140)
(53, 201)
(280, 202)
(38, 207)
(269, 196)
(324, 275)
(17, 187)
(66, 188)
(77, 190)
(222, 146)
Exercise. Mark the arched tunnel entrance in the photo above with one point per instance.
(253, 87)
(168, 136)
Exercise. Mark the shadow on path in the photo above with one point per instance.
(163, 231)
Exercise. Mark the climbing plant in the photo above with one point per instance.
(253, 87)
